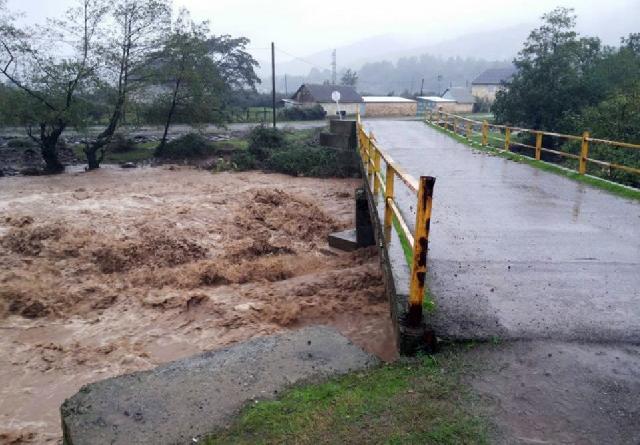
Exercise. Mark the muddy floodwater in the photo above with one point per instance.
(116, 271)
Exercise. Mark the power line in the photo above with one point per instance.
(301, 59)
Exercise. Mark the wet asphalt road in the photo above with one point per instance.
(516, 252)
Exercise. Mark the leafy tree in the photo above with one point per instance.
(615, 118)
(201, 71)
(551, 82)
(49, 65)
(349, 78)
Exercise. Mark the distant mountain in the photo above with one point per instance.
(351, 55)
(499, 44)
(502, 44)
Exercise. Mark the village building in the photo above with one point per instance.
(309, 95)
(486, 85)
(388, 106)
(463, 100)
(434, 103)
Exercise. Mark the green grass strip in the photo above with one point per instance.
(611, 187)
(423, 400)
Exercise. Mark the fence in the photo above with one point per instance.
(505, 136)
(249, 115)
(372, 157)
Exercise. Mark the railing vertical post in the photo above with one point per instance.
(372, 151)
(365, 151)
(420, 248)
(455, 124)
(388, 197)
(507, 138)
(538, 145)
(376, 174)
(584, 153)
(469, 131)
(485, 133)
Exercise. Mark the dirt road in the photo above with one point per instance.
(114, 271)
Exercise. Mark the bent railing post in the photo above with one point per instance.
(420, 247)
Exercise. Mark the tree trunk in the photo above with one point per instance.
(91, 151)
(49, 151)
(49, 147)
(167, 124)
(93, 162)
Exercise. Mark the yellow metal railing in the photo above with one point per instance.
(384, 185)
(466, 127)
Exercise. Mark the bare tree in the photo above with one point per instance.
(349, 78)
(139, 29)
(49, 65)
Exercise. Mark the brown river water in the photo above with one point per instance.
(117, 271)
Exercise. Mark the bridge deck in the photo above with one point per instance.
(516, 252)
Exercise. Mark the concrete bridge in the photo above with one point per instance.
(514, 252)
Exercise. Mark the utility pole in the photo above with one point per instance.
(273, 82)
(422, 88)
(334, 68)
(286, 90)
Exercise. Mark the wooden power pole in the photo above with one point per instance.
(273, 82)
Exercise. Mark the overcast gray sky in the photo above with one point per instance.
(302, 27)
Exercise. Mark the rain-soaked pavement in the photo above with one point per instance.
(516, 252)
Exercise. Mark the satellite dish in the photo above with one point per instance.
(335, 96)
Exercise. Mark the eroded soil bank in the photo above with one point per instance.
(115, 271)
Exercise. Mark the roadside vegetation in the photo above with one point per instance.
(422, 400)
(295, 153)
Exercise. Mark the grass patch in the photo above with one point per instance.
(139, 153)
(145, 151)
(421, 400)
(231, 144)
(611, 187)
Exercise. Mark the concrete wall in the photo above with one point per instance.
(487, 92)
(332, 109)
(456, 108)
(390, 109)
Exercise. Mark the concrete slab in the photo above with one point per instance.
(176, 402)
(345, 240)
(516, 252)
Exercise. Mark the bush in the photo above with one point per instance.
(120, 144)
(191, 145)
(263, 141)
(243, 160)
(303, 160)
(21, 143)
(304, 114)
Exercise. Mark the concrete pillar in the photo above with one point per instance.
(364, 228)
